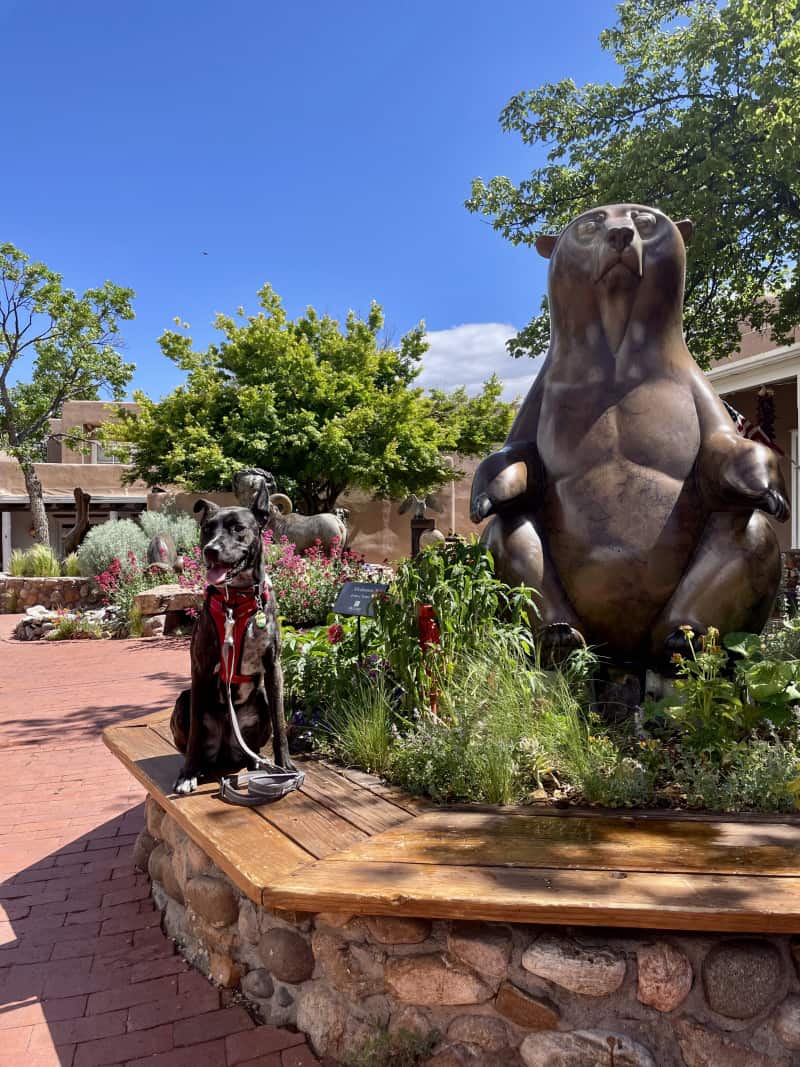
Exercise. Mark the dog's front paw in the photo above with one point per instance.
(185, 784)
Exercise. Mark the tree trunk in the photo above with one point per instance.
(38, 514)
(81, 527)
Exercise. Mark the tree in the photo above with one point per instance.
(473, 424)
(703, 123)
(67, 344)
(323, 408)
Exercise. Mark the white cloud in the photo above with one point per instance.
(469, 354)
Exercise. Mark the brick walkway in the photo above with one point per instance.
(86, 975)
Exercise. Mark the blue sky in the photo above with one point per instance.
(325, 148)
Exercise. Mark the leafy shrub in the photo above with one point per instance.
(120, 586)
(71, 567)
(179, 525)
(471, 608)
(306, 585)
(75, 629)
(319, 664)
(36, 562)
(756, 774)
(117, 539)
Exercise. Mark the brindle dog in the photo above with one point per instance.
(232, 547)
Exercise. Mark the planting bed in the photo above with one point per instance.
(518, 937)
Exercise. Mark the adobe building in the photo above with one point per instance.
(90, 469)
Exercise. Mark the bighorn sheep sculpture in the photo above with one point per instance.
(303, 531)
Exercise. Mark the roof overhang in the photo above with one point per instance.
(776, 365)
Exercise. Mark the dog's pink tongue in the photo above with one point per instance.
(216, 575)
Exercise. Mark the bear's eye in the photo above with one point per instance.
(587, 228)
(645, 223)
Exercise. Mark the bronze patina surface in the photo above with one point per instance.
(623, 493)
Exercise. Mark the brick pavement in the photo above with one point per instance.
(87, 978)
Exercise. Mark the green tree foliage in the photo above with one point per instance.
(703, 123)
(55, 346)
(473, 424)
(323, 408)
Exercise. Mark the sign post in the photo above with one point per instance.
(357, 598)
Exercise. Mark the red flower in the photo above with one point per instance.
(335, 633)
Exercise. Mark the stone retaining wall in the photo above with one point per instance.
(497, 995)
(17, 594)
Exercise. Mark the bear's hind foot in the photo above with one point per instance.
(679, 643)
(556, 641)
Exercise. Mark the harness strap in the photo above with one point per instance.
(241, 605)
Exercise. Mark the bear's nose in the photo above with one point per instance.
(620, 234)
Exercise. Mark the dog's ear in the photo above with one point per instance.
(260, 505)
(204, 509)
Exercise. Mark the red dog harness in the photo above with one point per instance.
(240, 605)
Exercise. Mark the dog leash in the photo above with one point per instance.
(268, 782)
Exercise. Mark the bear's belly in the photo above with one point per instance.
(652, 425)
(621, 536)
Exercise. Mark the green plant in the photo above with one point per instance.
(319, 665)
(395, 1048)
(782, 641)
(470, 607)
(709, 710)
(178, 525)
(478, 747)
(120, 587)
(71, 567)
(755, 774)
(115, 539)
(360, 725)
(36, 562)
(72, 629)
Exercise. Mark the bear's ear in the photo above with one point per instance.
(545, 244)
(204, 509)
(686, 227)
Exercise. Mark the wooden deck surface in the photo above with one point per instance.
(347, 842)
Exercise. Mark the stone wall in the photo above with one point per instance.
(497, 995)
(17, 594)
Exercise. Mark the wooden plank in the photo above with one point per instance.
(361, 807)
(539, 808)
(316, 827)
(413, 805)
(584, 898)
(311, 825)
(247, 848)
(456, 839)
(153, 717)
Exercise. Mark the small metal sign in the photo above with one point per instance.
(356, 598)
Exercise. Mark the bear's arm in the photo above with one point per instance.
(734, 473)
(512, 474)
(516, 470)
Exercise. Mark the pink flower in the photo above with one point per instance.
(335, 633)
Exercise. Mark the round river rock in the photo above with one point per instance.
(742, 977)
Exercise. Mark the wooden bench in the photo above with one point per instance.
(348, 843)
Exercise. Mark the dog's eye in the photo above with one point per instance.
(238, 528)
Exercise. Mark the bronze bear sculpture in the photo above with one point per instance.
(623, 494)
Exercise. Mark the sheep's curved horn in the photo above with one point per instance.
(281, 502)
